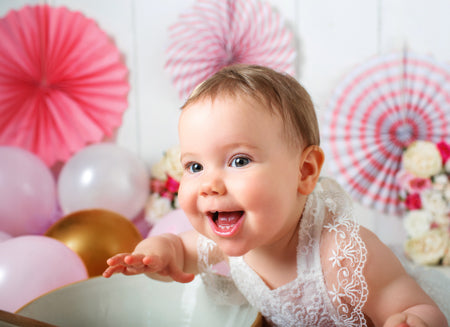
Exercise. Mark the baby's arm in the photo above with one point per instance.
(395, 299)
(164, 257)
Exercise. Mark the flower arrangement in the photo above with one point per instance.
(424, 180)
(164, 184)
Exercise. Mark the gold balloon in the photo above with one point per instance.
(95, 235)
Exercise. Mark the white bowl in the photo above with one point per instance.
(135, 301)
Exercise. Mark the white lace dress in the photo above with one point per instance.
(311, 299)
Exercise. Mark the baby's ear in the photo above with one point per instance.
(311, 163)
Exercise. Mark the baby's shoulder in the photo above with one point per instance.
(343, 243)
(350, 254)
(343, 257)
(347, 243)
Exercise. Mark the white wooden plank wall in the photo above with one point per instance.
(332, 37)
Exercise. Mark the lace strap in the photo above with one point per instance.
(346, 253)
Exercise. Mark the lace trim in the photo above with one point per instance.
(220, 288)
(298, 303)
(349, 293)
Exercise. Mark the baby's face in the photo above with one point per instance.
(239, 186)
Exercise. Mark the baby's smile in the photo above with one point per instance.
(225, 223)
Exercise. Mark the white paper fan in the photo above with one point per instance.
(378, 110)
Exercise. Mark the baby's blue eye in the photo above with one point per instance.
(195, 167)
(240, 162)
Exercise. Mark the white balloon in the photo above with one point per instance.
(104, 176)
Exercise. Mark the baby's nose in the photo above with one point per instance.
(212, 186)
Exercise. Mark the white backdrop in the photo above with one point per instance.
(331, 37)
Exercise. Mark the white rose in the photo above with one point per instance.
(156, 207)
(168, 165)
(434, 202)
(447, 192)
(440, 181)
(417, 222)
(422, 159)
(447, 166)
(428, 249)
(442, 220)
(172, 163)
(158, 170)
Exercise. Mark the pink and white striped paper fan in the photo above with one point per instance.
(63, 83)
(213, 34)
(378, 110)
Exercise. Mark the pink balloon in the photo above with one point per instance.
(33, 265)
(4, 236)
(27, 193)
(174, 222)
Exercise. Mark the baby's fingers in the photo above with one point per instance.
(404, 320)
(117, 259)
(134, 259)
(113, 270)
(396, 320)
(153, 261)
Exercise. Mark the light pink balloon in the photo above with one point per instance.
(104, 176)
(27, 193)
(174, 222)
(4, 236)
(33, 265)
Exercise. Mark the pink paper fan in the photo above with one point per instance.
(62, 82)
(377, 111)
(214, 34)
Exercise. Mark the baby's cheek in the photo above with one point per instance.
(257, 191)
(271, 198)
(185, 198)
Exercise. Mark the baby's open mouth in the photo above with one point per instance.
(225, 220)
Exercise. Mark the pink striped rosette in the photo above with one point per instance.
(63, 83)
(213, 34)
(378, 110)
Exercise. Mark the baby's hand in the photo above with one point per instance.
(127, 264)
(133, 264)
(404, 320)
(160, 257)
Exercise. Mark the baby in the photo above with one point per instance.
(249, 142)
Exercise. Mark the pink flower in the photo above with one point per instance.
(168, 195)
(403, 177)
(157, 186)
(413, 201)
(417, 185)
(172, 184)
(434, 225)
(411, 183)
(444, 149)
(166, 189)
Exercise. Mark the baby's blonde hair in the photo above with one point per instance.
(279, 92)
